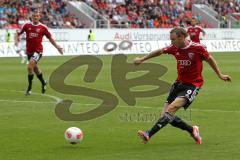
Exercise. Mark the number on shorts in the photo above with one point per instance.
(192, 94)
(36, 57)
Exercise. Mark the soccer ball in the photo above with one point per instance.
(73, 135)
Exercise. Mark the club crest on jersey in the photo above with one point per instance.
(38, 30)
(190, 55)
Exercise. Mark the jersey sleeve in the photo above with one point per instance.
(23, 29)
(169, 49)
(47, 33)
(203, 51)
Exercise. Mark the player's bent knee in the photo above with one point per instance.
(179, 102)
(172, 109)
(30, 66)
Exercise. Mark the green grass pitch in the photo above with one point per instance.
(30, 130)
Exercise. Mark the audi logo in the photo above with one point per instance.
(184, 62)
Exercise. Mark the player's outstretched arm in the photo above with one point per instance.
(212, 62)
(60, 50)
(139, 60)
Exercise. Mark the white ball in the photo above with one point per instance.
(73, 135)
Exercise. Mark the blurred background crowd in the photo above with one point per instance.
(124, 13)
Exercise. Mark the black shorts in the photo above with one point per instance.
(35, 56)
(187, 91)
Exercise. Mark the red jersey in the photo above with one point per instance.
(194, 33)
(34, 35)
(189, 62)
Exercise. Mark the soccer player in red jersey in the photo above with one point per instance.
(194, 31)
(189, 56)
(34, 33)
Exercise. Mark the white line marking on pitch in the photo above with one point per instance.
(57, 99)
(48, 102)
(120, 106)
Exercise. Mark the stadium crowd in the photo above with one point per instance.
(143, 13)
(158, 13)
(121, 13)
(14, 13)
(223, 8)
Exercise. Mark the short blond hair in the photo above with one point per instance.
(179, 31)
